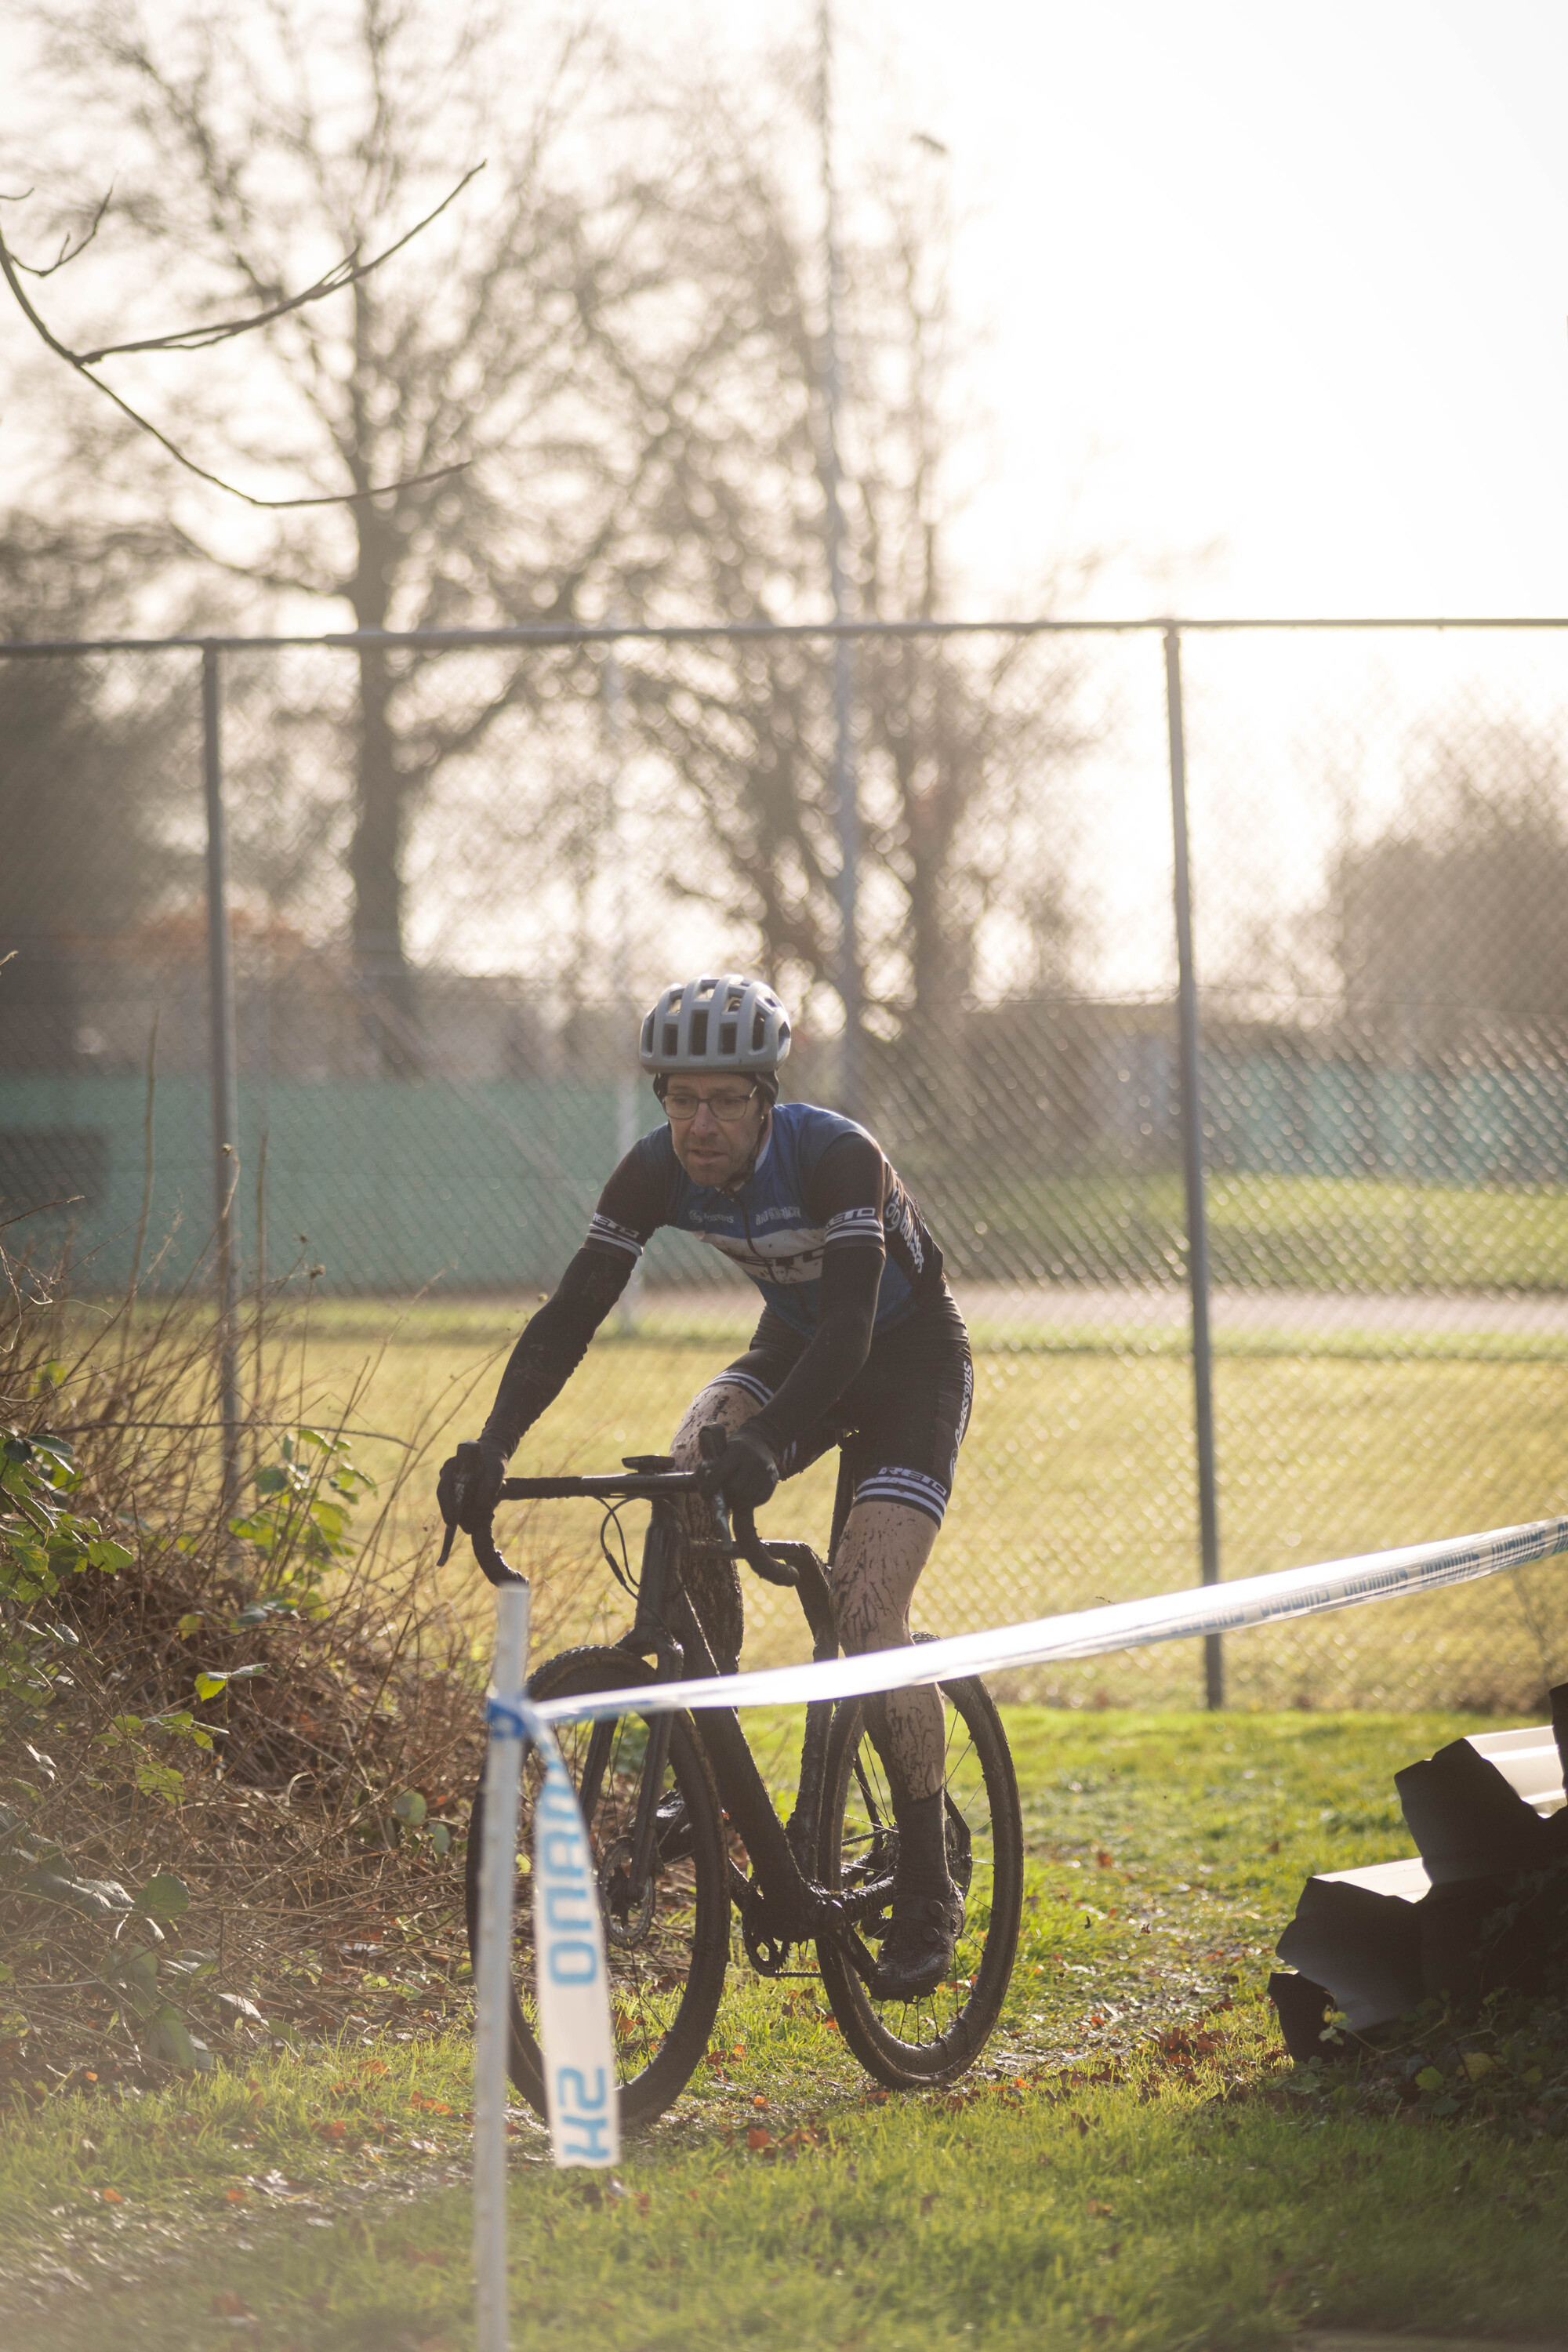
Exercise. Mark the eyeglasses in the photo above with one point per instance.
(682, 1103)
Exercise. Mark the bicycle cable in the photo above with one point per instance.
(621, 1570)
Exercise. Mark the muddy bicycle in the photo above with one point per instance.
(683, 1831)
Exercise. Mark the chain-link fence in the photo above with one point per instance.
(454, 871)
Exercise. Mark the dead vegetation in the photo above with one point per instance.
(237, 1744)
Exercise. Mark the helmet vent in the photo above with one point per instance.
(671, 1040)
(726, 1036)
(759, 1026)
(700, 1033)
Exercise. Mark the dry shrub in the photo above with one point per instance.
(319, 1835)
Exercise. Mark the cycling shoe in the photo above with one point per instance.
(918, 1948)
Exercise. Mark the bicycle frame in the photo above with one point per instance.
(782, 1903)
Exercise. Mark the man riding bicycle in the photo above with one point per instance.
(861, 1345)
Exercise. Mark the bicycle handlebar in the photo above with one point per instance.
(622, 1487)
(629, 1486)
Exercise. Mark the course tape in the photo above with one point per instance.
(576, 2037)
(1090, 1632)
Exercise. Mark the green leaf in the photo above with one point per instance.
(240, 2007)
(165, 1896)
(191, 1622)
(192, 1965)
(209, 1683)
(109, 1555)
(172, 2041)
(159, 1781)
(1429, 2079)
(441, 1838)
(135, 1976)
(102, 1896)
(410, 1808)
(271, 1480)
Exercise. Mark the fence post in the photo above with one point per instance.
(627, 1010)
(1192, 1163)
(224, 1077)
(851, 1074)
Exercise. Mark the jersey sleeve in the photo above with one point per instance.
(845, 1192)
(634, 1201)
(850, 1278)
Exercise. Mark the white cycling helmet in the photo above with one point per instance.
(716, 1022)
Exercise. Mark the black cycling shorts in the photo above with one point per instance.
(901, 1421)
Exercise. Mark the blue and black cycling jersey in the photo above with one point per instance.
(819, 1183)
(829, 1234)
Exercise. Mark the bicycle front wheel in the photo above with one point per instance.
(667, 1943)
(906, 2044)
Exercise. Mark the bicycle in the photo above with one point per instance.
(682, 1826)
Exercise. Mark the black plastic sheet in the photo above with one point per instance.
(1487, 1910)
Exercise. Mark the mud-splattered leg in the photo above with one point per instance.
(880, 1554)
(713, 1582)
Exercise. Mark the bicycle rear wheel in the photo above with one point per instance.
(668, 1951)
(906, 2044)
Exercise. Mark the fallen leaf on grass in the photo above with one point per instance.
(1101, 2212)
(234, 2196)
(110, 2197)
(759, 2137)
(226, 2304)
(437, 2255)
(927, 2201)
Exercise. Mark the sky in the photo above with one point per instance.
(1269, 304)
(1263, 307)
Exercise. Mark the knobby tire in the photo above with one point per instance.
(909, 2044)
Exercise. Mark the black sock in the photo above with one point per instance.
(922, 1847)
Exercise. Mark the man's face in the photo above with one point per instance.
(716, 1125)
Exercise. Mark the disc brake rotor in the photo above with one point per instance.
(626, 1920)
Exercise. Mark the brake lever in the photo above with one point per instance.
(750, 1547)
(489, 1560)
(495, 1567)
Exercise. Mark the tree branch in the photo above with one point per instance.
(345, 273)
(197, 339)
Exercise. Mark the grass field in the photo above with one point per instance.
(1076, 1483)
(1311, 1232)
(1130, 2168)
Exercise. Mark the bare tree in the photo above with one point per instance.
(87, 779)
(965, 746)
(1453, 909)
(559, 333)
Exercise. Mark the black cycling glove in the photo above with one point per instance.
(745, 1473)
(470, 1485)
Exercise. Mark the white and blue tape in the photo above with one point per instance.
(1232, 1608)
